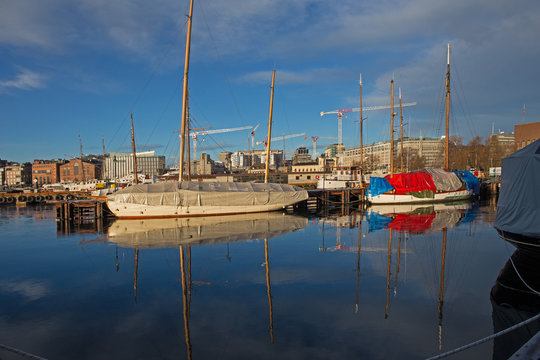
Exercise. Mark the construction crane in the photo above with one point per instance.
(194, 135)
(253, 136)
(284, 137)
(340, 113)
(315, 138)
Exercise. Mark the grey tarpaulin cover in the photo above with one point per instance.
(444, 180)
(202, 230)
(193, 193)
(518, 208)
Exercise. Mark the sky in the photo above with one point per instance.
(77, 68)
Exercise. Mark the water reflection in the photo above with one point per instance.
(159, 233)
(514, 298)
(419, 219)
(187, 232)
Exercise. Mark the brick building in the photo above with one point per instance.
(71, 171)
(18, 174)
(525, 134)
(45, 172)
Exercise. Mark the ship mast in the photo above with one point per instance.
(392, 128)
(447, 155)
(269, 127)
(361, 136)
(401, 131)
(184, 100)
(135, 176)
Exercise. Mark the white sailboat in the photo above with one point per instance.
(194, 198)
(426, 186)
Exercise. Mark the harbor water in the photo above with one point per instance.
(376, 284)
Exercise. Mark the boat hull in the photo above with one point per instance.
(141, 211)
(410, 199)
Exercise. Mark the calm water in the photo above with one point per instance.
(316, 288)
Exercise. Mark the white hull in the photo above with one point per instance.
(406, 198)
(139, 211)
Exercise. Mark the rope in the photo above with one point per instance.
(20, 352)
(478, 342)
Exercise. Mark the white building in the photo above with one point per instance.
(377, 155)
(118, 165)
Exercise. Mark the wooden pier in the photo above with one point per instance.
(324, 199)
(82, 214)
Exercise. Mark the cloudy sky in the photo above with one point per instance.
(78, 68)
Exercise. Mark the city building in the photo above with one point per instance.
(526, 134)
(17, 175)
(72, 172)
(377, 155)
(301, 156)
(119, 165)
(45, 172)
(2, 177)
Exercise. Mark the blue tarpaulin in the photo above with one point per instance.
(378, 185)
(470, 180)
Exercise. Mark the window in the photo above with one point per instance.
(309, 177)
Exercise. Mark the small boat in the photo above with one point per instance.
(341, 178)
(518, 207)
(193, 198)
(425, 186)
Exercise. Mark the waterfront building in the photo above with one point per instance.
(119, 165)
(377, 155)
(45, 172)
(526, 134)
(17, 175)
(2, 177)
(301, 156)
(72, 172)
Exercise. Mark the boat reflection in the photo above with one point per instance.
(514, 298)
(410, 219)
(420, 219)
(156, 233)
(183, 233)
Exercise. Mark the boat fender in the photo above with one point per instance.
(48, 197)
(39, 198)
(2, 199)
(10, 199)
(30, 198)
(59, 197)
(21, 198)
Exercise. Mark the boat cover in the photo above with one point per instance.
(378, 185)
(518, 208)
(470, 181)
(199, 193)
(444, 180)
(407, 182)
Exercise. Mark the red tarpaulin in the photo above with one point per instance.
(414, 181)
(412, 223)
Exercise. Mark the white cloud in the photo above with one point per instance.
(24, 80)
(309, 76)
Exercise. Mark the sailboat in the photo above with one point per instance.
(194, 198)
(428, 185)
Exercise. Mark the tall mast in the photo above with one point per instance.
(187, 137)
(82, 164)
(184, 101)
(104, 156)
(447, 156)
(392, 128)
(361, 135)
(135, 176)
(269, 127)
(401, 129)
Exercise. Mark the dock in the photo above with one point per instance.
(79, 215)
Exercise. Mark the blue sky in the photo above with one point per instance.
(70, 68)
